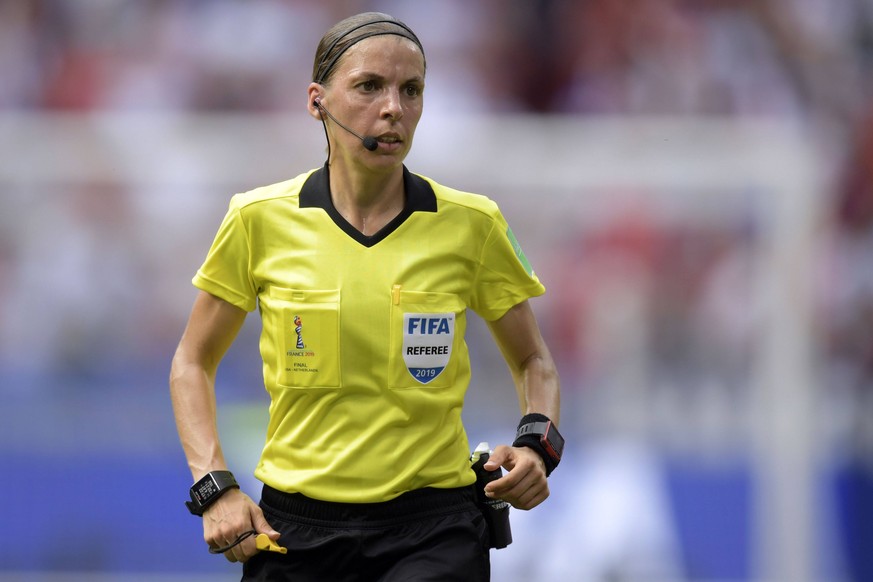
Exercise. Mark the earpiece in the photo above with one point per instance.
(369, 142)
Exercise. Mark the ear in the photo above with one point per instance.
(314, 93)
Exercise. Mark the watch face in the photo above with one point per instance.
(555, 440)
(204, 489)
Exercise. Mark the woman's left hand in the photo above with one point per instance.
(525, 485)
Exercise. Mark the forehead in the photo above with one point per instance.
(383, 54)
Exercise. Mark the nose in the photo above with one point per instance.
(392, 107)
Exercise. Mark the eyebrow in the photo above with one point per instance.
(371, 76)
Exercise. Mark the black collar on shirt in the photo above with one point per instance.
(420, 197)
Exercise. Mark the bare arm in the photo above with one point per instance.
(530, 362)
(212, 327)
(538, 388)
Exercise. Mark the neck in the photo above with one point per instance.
(367, 201)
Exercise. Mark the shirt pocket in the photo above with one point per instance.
(308, 326)
(427, 330)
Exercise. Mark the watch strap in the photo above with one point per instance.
(208, 489)
(532, 428)
(530, 432)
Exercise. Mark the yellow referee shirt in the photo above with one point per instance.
(363, 336)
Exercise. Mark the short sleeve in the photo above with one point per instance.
(226, 272)
(505, 277)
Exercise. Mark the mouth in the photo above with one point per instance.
(389, 138)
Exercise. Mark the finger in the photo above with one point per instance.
(216, 540)
(502, 486)
(498, 458)
(512, 485)
(522, 488)
(261, 524)
(230, 555)
(218, 546)
(243, 550)
(510, 480)
(246, 550)
(531, 497)
(529, 503)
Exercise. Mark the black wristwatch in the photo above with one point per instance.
(539, 433)
(207, 490)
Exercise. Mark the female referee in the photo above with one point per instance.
(362, 273)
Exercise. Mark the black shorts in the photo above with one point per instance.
(426, 535)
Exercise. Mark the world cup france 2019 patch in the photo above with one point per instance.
(427, 343)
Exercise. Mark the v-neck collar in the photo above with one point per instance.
(420, 197)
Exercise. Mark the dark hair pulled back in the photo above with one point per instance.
(346, 33)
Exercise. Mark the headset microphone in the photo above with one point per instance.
(368, 141)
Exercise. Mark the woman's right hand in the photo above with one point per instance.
(231, 516)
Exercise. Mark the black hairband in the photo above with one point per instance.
(410, 35)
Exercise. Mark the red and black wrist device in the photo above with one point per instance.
(538, 432)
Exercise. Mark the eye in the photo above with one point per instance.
(413, 90)
(368, 85)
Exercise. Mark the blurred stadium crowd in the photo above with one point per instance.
(808, 61)
(709, 57)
